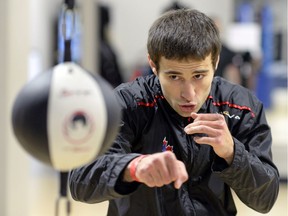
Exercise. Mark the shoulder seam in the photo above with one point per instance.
(236, 106)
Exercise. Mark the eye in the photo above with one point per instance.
(174, 77)
(198, 76)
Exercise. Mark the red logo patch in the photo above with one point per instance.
(165, 146)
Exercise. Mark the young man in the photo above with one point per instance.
(186, 138)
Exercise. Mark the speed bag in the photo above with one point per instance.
(66, 117)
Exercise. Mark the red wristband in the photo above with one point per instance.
(133, 167)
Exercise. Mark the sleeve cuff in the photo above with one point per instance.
(122, 187)
(219, 164)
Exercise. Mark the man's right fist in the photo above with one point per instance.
(157, 169)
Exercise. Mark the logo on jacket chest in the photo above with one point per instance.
(166, 146)
(231, 116)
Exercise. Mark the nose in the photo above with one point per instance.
(188, 91)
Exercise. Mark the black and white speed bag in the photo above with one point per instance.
(66, 117)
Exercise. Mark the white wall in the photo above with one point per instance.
(15, 73)
(15, 48)
(3, 140)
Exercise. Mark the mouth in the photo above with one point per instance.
(187, 108)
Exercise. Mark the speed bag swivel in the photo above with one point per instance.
(66, 117)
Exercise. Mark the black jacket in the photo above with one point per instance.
(148, 120)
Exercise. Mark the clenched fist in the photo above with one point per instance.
(158, 169)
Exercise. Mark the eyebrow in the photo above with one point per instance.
(179, 73)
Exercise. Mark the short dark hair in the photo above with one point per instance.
(182, 34)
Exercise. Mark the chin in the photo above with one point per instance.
(185, 115)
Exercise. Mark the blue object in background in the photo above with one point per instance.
(265, 78)
(69, 28)
(245, 13)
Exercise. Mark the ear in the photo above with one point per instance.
(152, 65)
(217, 62)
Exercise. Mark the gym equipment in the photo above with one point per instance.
(66, 117)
